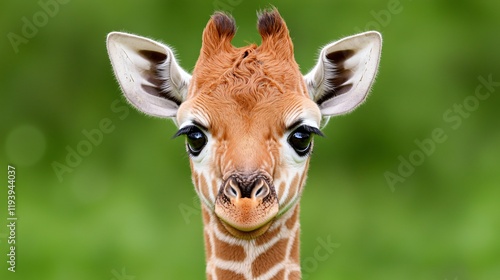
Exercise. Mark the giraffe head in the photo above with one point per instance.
(248, 114)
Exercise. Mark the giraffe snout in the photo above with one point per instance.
(247, 204)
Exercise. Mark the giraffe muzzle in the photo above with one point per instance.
(247, 205)
(237, 188)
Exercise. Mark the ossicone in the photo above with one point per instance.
(270, 23)
(274, 33)
(218, 34)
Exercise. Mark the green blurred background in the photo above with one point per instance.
(127, 209)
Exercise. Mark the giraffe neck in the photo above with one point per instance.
(273, 255)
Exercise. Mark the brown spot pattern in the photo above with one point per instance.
(290, 223)
(294, 275)
(281, 189)
(206, 216)
(279, 276)
(304, 177)
(292, 188)
(269, 258)
(266, 237)
(223, 274)
(228, 252)
(208, 246)
(295, 250)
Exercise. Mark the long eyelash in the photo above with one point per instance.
(307, 128)
(183, 131)
(314, 130)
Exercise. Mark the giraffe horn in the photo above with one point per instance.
(218, 34)
(274, 32)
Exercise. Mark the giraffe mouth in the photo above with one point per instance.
(247, 206)
(246, 220)
(244, 234)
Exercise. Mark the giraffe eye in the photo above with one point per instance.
(300, 140)
(195, 138)
(196, 141)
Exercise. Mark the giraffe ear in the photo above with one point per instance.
(344, 73)
(148, 74)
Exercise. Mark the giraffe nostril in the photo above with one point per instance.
(261, 189)
(255, 188)
(232, 190)
(258, 191)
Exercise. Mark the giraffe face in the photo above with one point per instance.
(249, 124)
(247, 113)
(249, 151)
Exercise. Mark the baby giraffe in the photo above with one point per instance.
(249, 117)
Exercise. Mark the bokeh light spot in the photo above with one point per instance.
(25, 145)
